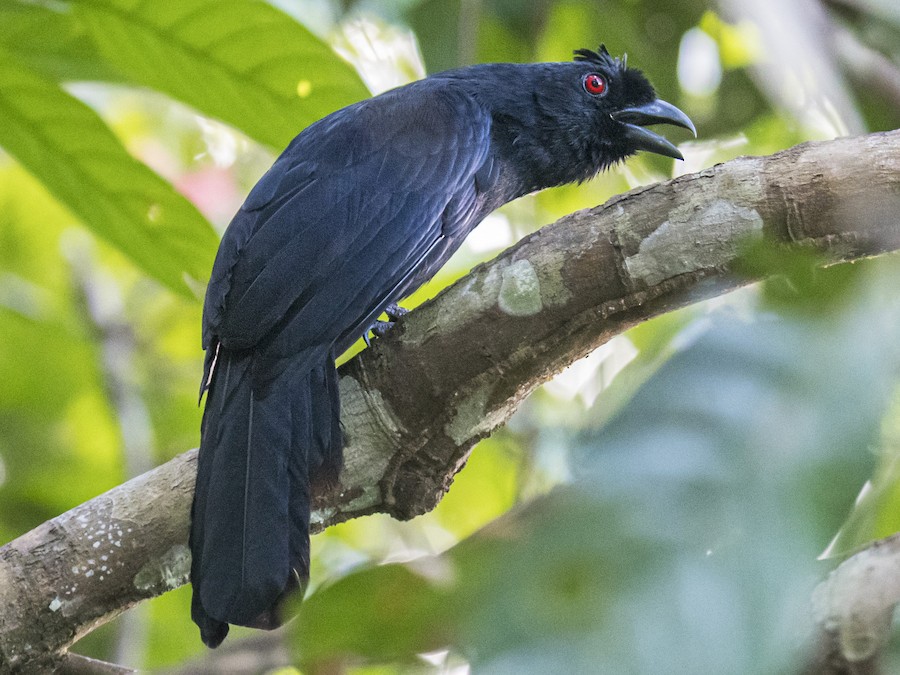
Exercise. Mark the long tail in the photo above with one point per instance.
(260, 448)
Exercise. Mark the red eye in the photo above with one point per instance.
(594, 84)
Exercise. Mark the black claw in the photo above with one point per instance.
(395, 312)
(381, 328)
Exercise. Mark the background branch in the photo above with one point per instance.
(458, 367)
(854, 608)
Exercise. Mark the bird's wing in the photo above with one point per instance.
(349, 212)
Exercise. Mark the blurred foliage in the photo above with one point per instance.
(62, 142)
(657, 508)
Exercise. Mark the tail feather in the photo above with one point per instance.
(328, 436)
(245, 550)
(250, 529)
(212, 631)
(316, 456)
(298, 467)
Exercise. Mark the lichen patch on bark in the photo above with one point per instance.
(469, 413)
(474, 415)
(169, 571)
(520, 290)
(691, 241)
(554, 292)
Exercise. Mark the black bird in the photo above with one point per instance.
(362, 208)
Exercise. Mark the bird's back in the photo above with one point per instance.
(349, 209)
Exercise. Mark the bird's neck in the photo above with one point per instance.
(531, 161)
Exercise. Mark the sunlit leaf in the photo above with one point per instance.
(48, 38)
(241, 61)
(42, 366)
(876, 513)
(412, 600)
(58, 443)
(64, 144)
(485, 489)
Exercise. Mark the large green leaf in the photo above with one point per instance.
(241, 61)
(48, 38)
(66, 146)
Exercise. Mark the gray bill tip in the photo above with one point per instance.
(644, 139)
(656, 111)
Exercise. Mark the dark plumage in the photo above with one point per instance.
(360, 209)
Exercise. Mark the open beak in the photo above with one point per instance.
(655, 112)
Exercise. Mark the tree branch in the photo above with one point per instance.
(456, 368)
(75, 664)
(854, 608)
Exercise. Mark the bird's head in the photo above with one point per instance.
(563, 122)
(622, 103)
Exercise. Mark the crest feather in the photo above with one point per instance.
(601, 57)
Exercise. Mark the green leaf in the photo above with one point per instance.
(66, 146)
(242, 61)
(42, 366)
(49, 39)
(876, 513)
(393, 590)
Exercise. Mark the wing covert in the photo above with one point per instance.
(347, 212)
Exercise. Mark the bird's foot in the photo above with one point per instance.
(381, 328)
(395, 312)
